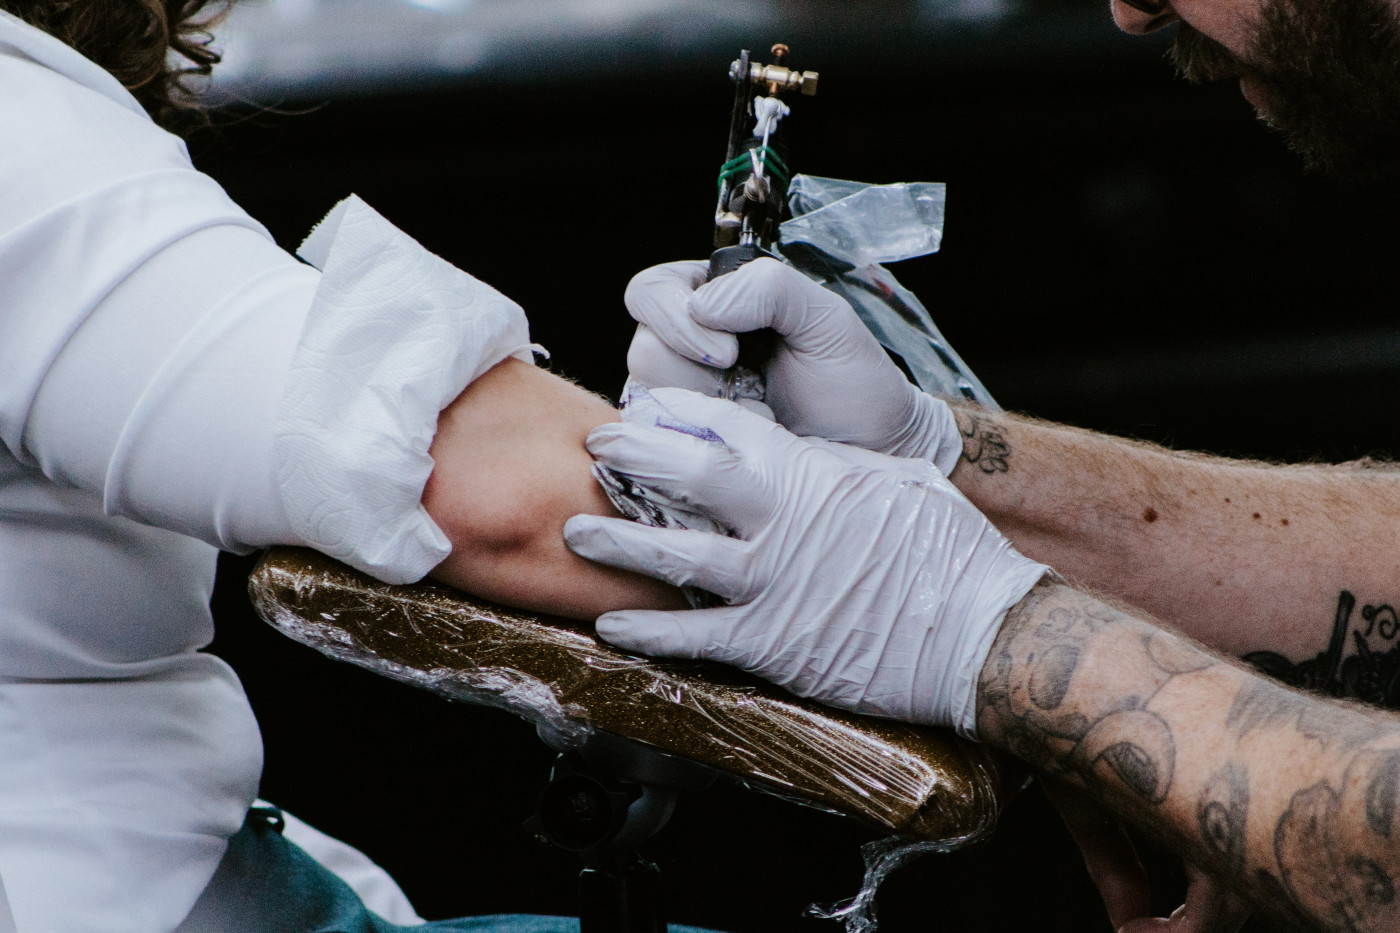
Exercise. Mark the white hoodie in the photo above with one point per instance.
(171, 382)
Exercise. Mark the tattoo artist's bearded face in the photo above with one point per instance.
(1325, 73)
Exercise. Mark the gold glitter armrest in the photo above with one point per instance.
(912, 781)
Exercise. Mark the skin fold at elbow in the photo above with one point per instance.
(510, 469)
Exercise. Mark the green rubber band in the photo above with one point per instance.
(772, 163)
(767, 153)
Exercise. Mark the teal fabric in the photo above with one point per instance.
(524, 923)
(266, 884)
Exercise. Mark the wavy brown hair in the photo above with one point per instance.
(133, 40)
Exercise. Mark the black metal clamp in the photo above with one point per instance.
(603, 801)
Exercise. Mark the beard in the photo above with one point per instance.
(1324, 73)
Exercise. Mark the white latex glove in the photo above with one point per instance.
(864, 581)
(829, 377)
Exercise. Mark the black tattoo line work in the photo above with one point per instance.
(1381, 620)
(1050, 681)
(1331, 874)
(1321, 671)
(1371, 675)
(1135, 746)
(984, 444)
(1332, 846)
(1125, 745)
(1222, 813)
(1262, 704)
(1175, 656)
(1381, 790)
(1334, 861)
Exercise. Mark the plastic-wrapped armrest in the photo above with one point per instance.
(911, 781)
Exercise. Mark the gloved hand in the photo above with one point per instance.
(829, 377)
(861, 580)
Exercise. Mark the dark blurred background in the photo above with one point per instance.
(1122, 252)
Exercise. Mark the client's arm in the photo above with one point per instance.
(510, 468)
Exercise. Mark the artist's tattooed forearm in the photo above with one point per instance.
(1118, 745)
(1334, 856)
(984, 442)
(1297, 802)
(1361, 660)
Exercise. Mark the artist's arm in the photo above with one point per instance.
(510, 467)
(1287, 798)
(868, 582)
(1245, 557)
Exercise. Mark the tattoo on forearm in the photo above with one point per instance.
(984, 443)
(1123, 747)
(1222, 814)
(1381, 790)
(1336, 868)
(1332, 847)
(1262, 705)
(1327, 859)
(1370, 674)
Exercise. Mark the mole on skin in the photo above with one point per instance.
(1149, 514)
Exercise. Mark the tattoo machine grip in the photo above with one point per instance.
(756, 347)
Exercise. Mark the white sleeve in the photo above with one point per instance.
(159, 350)
(164, 397)
(228, 392)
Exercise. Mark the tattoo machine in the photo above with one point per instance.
(837, 232)
(753, 180)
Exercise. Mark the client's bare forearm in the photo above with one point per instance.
(1288, 798)
(1246, 557)
(510, 470)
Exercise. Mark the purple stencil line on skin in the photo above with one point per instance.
(638, 399)
(704, 434)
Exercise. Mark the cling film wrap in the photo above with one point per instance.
(841, 232)
(882, 857)
(917, 783)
